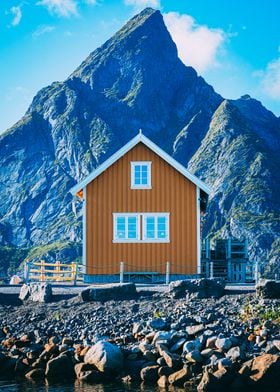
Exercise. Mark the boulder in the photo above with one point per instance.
(36, 292)
(107, 292)
(178, 378)
(209, 383)
(195, 329)
(198, 288)
(88, 373)
(60, 368)
(158, 324)
(149, 374)
(36, 374)
(223, 344)
(262, 371)
(194, 356)
(105, 356)
(163, 382)
(234, 354)
(268, 289)
(172, 360)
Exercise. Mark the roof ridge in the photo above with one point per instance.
(140, 137)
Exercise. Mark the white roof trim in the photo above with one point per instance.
(152, 146)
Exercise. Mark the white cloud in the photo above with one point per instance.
(16, 11)
(42, 29)
(197, 45)
(270, 79)
(141, 4)
(91, 2)
(60, 7)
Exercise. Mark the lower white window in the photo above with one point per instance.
(155, 227)
(126, 227)
(141, 227)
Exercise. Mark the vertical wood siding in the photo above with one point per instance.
(171, 192)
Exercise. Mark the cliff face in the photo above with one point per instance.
(135, 80)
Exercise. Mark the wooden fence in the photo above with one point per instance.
(41, 271)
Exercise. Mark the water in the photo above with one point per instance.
(25, 386)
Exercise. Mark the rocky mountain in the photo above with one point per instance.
(136, 80)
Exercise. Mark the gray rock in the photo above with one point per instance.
(178, 345)
(268, 289)
(191, 345)
(157, 323)
(223, 343)
(224, 363)
(207, 352)
(195, 329)
(199, 288)
(194, 356)
(162, 337)
(60, 368)
(36, 292)
(178, 378)
(234, 353)
(209, 383)
(149, 374)
(105, 356)
(109, 291)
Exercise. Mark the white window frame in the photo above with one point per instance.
(132, 167)
(126, 215)
(141, 222)
(144, 230)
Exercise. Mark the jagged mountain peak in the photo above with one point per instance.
(144, 37)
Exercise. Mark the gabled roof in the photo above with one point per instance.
(140, 138)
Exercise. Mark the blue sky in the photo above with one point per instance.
(234, 45)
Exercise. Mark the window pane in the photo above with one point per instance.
(132, 227)
(150, 227)
(144, 175)
(145, 179)
(161, 227)
(120, 227)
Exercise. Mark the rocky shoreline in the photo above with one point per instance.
(158, 339)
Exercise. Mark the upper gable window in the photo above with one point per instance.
(141, 175)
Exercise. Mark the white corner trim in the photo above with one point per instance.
(198, 239)
(140, 138)
(84, 229)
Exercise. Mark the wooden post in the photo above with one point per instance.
(75, 266)
(167, 278)
(42, 271)
(121, 271)
(57, 271)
